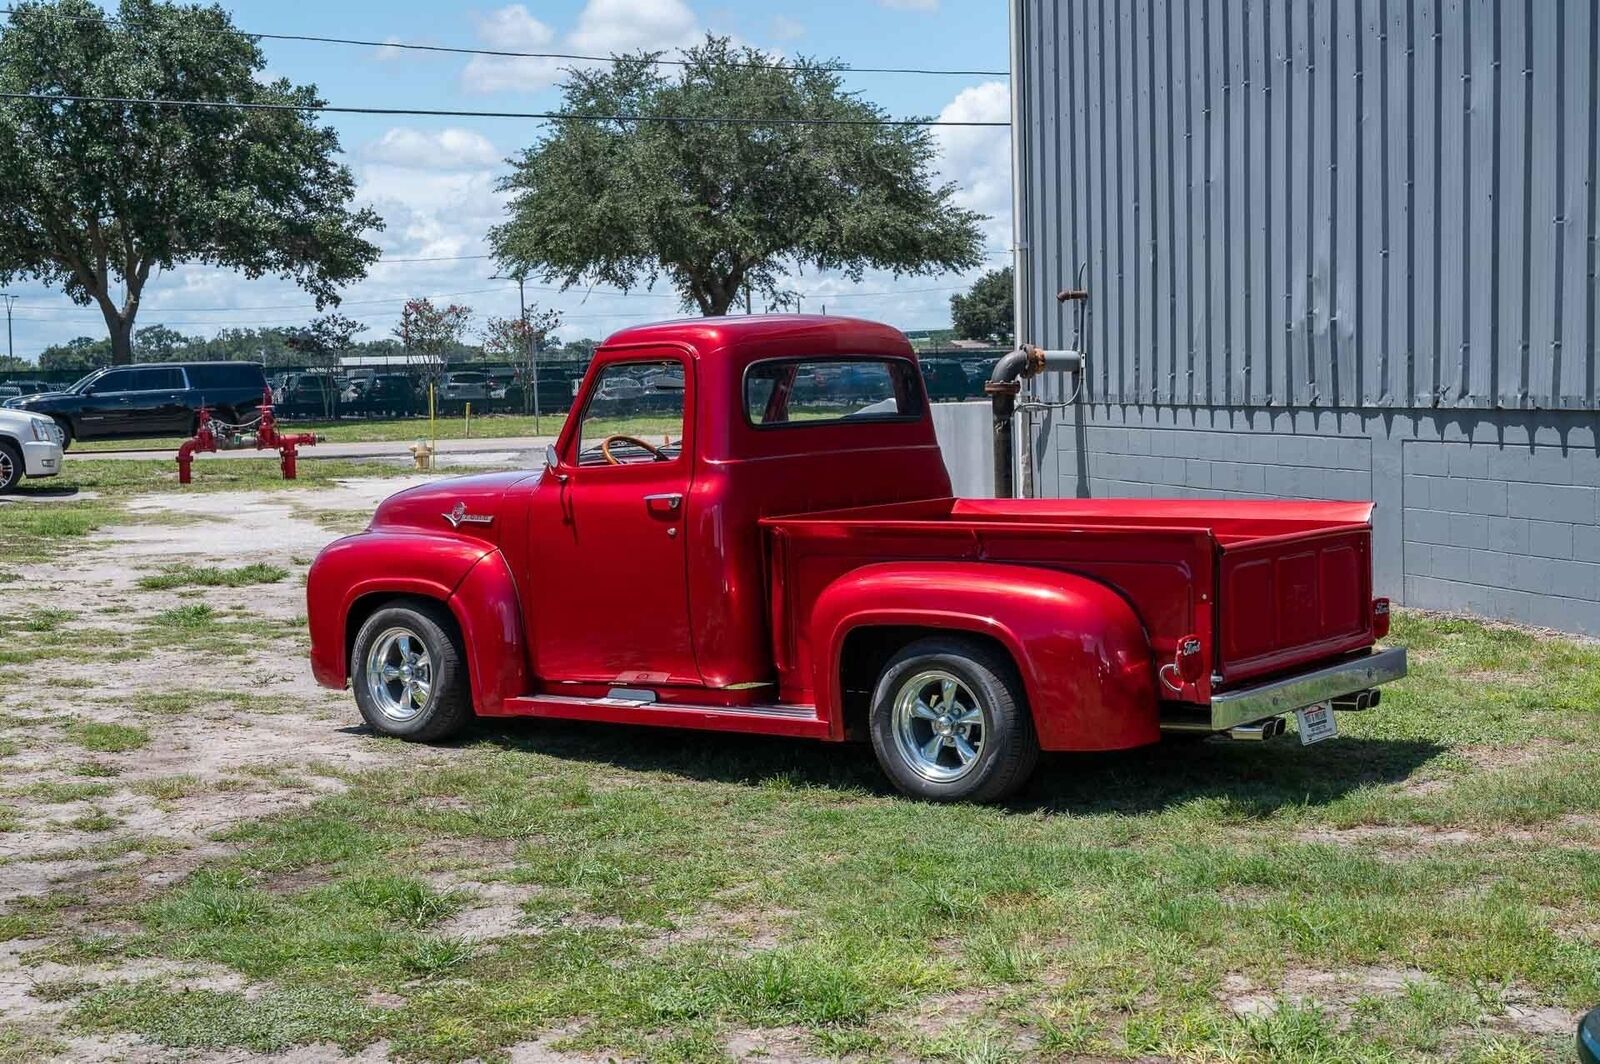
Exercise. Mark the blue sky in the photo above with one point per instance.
(433, 178)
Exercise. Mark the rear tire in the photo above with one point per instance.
(11, 470)
(407, 673)
(950, 722)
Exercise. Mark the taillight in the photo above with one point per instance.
(1380, 618)
(1189, 659)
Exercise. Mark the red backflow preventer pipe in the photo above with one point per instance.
(207, 437)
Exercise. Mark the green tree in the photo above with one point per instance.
(434, 333)
(320, 343)
(98, 196)
(157, 343)
(724, 208)
(519, 341)
(984, 313)
(79, 355)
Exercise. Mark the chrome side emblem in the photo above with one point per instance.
(458, 516)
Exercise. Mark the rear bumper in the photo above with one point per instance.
(1249, 704)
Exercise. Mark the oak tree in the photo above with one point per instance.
(984, 312)
(722, 208)
(97, 196)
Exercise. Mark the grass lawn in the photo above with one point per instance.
(493, 426)
(1425, 886)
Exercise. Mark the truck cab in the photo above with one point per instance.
(746, 525)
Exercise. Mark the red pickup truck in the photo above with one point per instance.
(746, 525)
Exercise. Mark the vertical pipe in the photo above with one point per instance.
(1005, 406)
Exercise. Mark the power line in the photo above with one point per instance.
(506, 54)
(447, 258)
(541, 116)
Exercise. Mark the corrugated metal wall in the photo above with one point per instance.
(1329, 203)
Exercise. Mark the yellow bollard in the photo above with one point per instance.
(433, 426)
(467, 431)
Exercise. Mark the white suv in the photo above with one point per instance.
(30, 446)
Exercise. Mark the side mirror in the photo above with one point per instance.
(552, 463)
(1589, 1038)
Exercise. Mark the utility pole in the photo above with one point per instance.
(533, 349)
(10, 299)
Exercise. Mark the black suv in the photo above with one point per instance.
(150, 399)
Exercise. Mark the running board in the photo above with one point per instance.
(799, 721)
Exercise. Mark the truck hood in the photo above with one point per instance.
(468, 507)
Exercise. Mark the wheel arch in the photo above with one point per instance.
(471, 583)
(867, 647)
(1078, 647)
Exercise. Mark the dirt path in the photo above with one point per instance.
(127, 757)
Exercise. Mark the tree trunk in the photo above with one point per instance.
(121, 339)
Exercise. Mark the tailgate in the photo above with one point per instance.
(1285, 601)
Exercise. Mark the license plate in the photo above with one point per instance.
(1316, 723)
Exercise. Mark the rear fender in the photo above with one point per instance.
(469, 576)
(1081, 651)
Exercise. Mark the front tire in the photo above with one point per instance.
(407, 673)
(11, 470)
(950, 722)
(66, 431)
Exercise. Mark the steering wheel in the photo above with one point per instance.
(656, 454)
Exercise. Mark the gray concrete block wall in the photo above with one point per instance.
(1495, 513)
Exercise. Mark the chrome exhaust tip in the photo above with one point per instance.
(1260, 731)
(1360, 700)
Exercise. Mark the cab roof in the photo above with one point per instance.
(767, 335)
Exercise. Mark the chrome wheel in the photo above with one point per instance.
(9, 472)
(399, 674)
(939, 725)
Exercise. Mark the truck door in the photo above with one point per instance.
(608, 594)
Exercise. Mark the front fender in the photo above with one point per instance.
(371, 563)
(1081, 651)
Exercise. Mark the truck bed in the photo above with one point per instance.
(1269, 586)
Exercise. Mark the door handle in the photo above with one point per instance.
(671, 501)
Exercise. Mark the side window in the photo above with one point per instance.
(642, 400)
(118, 380)
(165, 379)
(816, 391)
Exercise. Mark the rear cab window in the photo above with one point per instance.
(831, 389)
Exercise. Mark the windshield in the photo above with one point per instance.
(77, 387)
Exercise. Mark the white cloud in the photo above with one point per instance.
(785, 28)
(603, 27)
(512, 29)
(910, 5)
(447, 149)
(608, 26)
(978, 158)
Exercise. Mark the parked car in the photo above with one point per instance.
(464, 386)
(812, 576)
(151, 399)
(14, 387)
(30, 446)
(307, 394)
(945, 379)
(390, 395)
